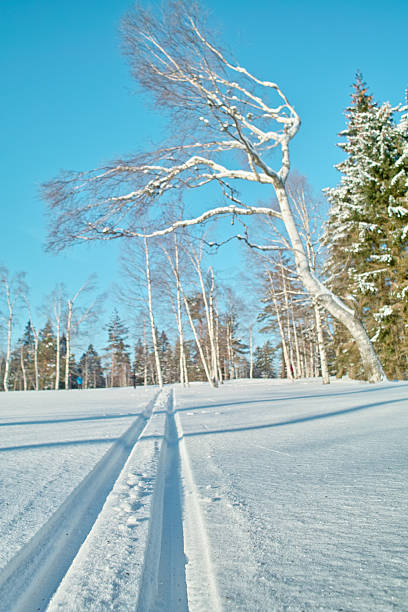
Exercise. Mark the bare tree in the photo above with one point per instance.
(151, 316)
(12, 291)
(182, 295)
(75, 317)
(55, 307)
(233, 116)
(136, 263)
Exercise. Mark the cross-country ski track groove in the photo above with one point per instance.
(31, 577)
(131, 532)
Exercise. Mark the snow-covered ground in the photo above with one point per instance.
(259, 495)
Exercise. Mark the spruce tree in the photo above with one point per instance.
(117, 352)
(90, 369)
(365, 236)
(46, 356)
(264, 361)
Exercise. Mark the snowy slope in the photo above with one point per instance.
(260, 495)
(304, 490)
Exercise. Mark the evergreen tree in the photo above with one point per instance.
(27, 349)
(90, 369)
(166, 358)
(263, 361)
(139, 364)
(119, 374)
(367, 232)
(46, 356)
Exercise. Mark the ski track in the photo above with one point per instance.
(30, 578)
(121, 539)
(135, 556)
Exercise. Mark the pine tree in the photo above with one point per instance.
(119, 360)
(26, 344)
(90, 369)
(367, 232)
(46, 356)
(166, 358)
(263, 361)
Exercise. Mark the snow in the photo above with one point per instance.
(259, 495)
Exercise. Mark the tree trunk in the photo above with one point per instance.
(182, 359)
(322, 348)
(151, 317)
(213, 357)
(198, 342)
(285, 353)
(190, 320)
(9, 332)
(251, 354)
(23, 369)
(68, 344)
(332, 303)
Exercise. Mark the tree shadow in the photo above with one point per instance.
(315, 417)
(283, 397)
(71, 419)
(45, 445)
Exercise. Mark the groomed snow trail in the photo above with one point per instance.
(135, 555)
(31, 577)
(178, 573)
(130, 536)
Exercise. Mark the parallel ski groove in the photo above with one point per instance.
(163, 584)
(55, 545)
(202, 589)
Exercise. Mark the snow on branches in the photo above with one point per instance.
(224, 110)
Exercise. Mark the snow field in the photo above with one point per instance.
(304, 492)
(257, 496)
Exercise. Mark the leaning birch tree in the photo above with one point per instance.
(234, 128)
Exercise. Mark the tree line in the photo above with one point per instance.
(43, 358)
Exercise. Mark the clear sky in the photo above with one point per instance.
(67, 100)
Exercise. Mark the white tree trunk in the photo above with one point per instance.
(251, 354)
(210, 323)
(23, 369)
(151, 317)
(285, 352)
(182, 358)
(145, 355)
(198, 342)
(68, 343)
(322, 348)
(324, 296)
(190, 319)
(9, 333)
(212, 330)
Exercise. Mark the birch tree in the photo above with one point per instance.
(55, 307)
(151, 316)
(75, 317)
(12, 291)
(138, 269)
(234, 128)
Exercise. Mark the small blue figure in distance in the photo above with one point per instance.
(79, 382)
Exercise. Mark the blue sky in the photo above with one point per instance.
(67, 100)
